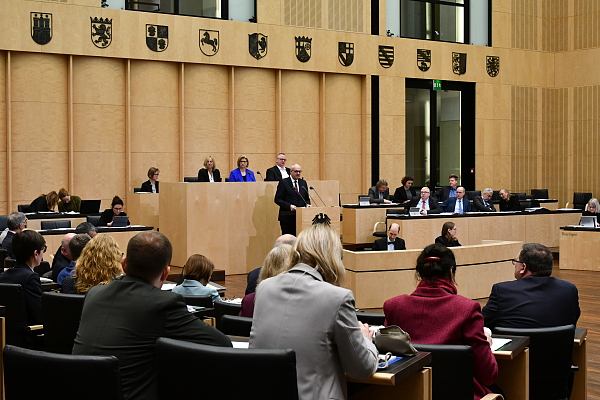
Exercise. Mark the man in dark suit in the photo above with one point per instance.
(449, 191)
(16, 222)
(426, 203)
(291, 193)
(279, 171)
(391, 242)
(484, 203)
(125, 317)
(380, 193)
(535, 299)
(458, 204)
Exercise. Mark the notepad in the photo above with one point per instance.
(498, 343)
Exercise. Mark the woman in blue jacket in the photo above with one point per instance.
(242, 173)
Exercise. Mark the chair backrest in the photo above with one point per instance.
(520, 195)
(2, 256)
(3, 219)
(236, 326)
(581, 199)
(371, 318)
(496, 195)
(550, 359)
(93, 219)
(61, 313)
(190, 179)
(90, 377)
(11, 297)
(452, 370)
(261, 373)
(9, 262)
(55, 224)
(539, 193)
(199, 301)
(137, 190)
(471, 194)
(24, 208)
(225, 308)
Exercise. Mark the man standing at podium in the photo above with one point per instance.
(291, 193)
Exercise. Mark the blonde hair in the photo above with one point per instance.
(51, 199)
(213, 160)
(243, 157)
(99, 263)
(320, 247)
(280, 259)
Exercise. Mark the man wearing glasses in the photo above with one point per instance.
(279, 171)
(291, 193)
(426, 204)
(535, 299)
(29, 248)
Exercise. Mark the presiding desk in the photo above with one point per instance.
(376, 276)
(579, 248)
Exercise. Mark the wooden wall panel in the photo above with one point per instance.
(555, 140)
(3, 134)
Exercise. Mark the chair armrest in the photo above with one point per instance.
(492, 396)
(35, 327)
(377, 225)
(567, 205)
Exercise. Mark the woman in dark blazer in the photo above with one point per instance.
(106, 218)
(436, 314)
(151, 185)
(401, 193)
(508, 202)
(448, 237)
(45, 202)
(592, 208)
(209, 173)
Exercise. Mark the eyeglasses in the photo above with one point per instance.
(118, 209)
(297, 171)
(516, 261)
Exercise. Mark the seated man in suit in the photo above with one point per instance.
(291, 193)
(380, 193)
(76, 245)
(252, 278)
(87, 227)
(28, 248)
(125, 317)
(16, 222)
(279, 171)
(483, 203)
(62, 257)
(458, 204)
(449, 192)
(391, 242)
(426, 204)
(535, 299)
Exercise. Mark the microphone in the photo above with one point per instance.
(312, 188)
(258, 173)
(306, 190)
(302, 197)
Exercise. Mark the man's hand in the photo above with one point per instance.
(292, 207)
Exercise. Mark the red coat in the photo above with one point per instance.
(433, 315)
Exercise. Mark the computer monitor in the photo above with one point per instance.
(588, 221)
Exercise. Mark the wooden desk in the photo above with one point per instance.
(513, 367)
(579, 248)
(376, 276)
(34, 221)
(358, 221)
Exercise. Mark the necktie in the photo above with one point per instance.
(460, 211)
(422, 205)
(296, 187)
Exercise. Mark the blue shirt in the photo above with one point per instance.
(65, 272)
(191, 287)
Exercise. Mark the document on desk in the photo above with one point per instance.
(240, 345)
(498, 343)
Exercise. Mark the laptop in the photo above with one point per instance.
(363, 201)
(588, 221)
(414, 212)
(89, 207)
(120, 221)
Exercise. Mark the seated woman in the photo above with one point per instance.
(99, 264)
(242, 173)
(151, 185)
(279, 260)
(592, 208)
(67, 202)
(106, 218)
(209, 173)
(448, 237)
(307, 310)
(44, 202)
(197, 272)
(405, 193)
(508, 202)
(435, 314)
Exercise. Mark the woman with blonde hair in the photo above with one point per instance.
(44, 202)
(305, 309)
(99, 264)
(592, 207)
(509, 202)
(209, 173)
(279, 260)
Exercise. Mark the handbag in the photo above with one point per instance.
(394, 340)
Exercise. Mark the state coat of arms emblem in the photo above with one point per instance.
(492, 65)
(346, 53)
(459, 63)
(424, 59)
(101, 32)
(257, 45)
(157, 37)
(41, 27)
(303, 48)
(209, 42)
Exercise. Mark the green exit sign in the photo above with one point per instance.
(437, 84)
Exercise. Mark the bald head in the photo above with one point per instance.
(285, 239)
(64, 246)
(393, 232)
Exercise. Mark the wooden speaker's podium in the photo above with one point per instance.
(305, 216)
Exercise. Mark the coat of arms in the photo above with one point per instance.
(209, 42)
(41, 27)
(386, 56)
(157, 37)
(257, 45)
(492, 64)
(101, 30)
(346, 53)
(424, 59)
(303, 46)
(459, 63)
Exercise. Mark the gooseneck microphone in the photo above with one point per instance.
(312, 188)
(258, 173)
(306, 190)
(302, 197)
